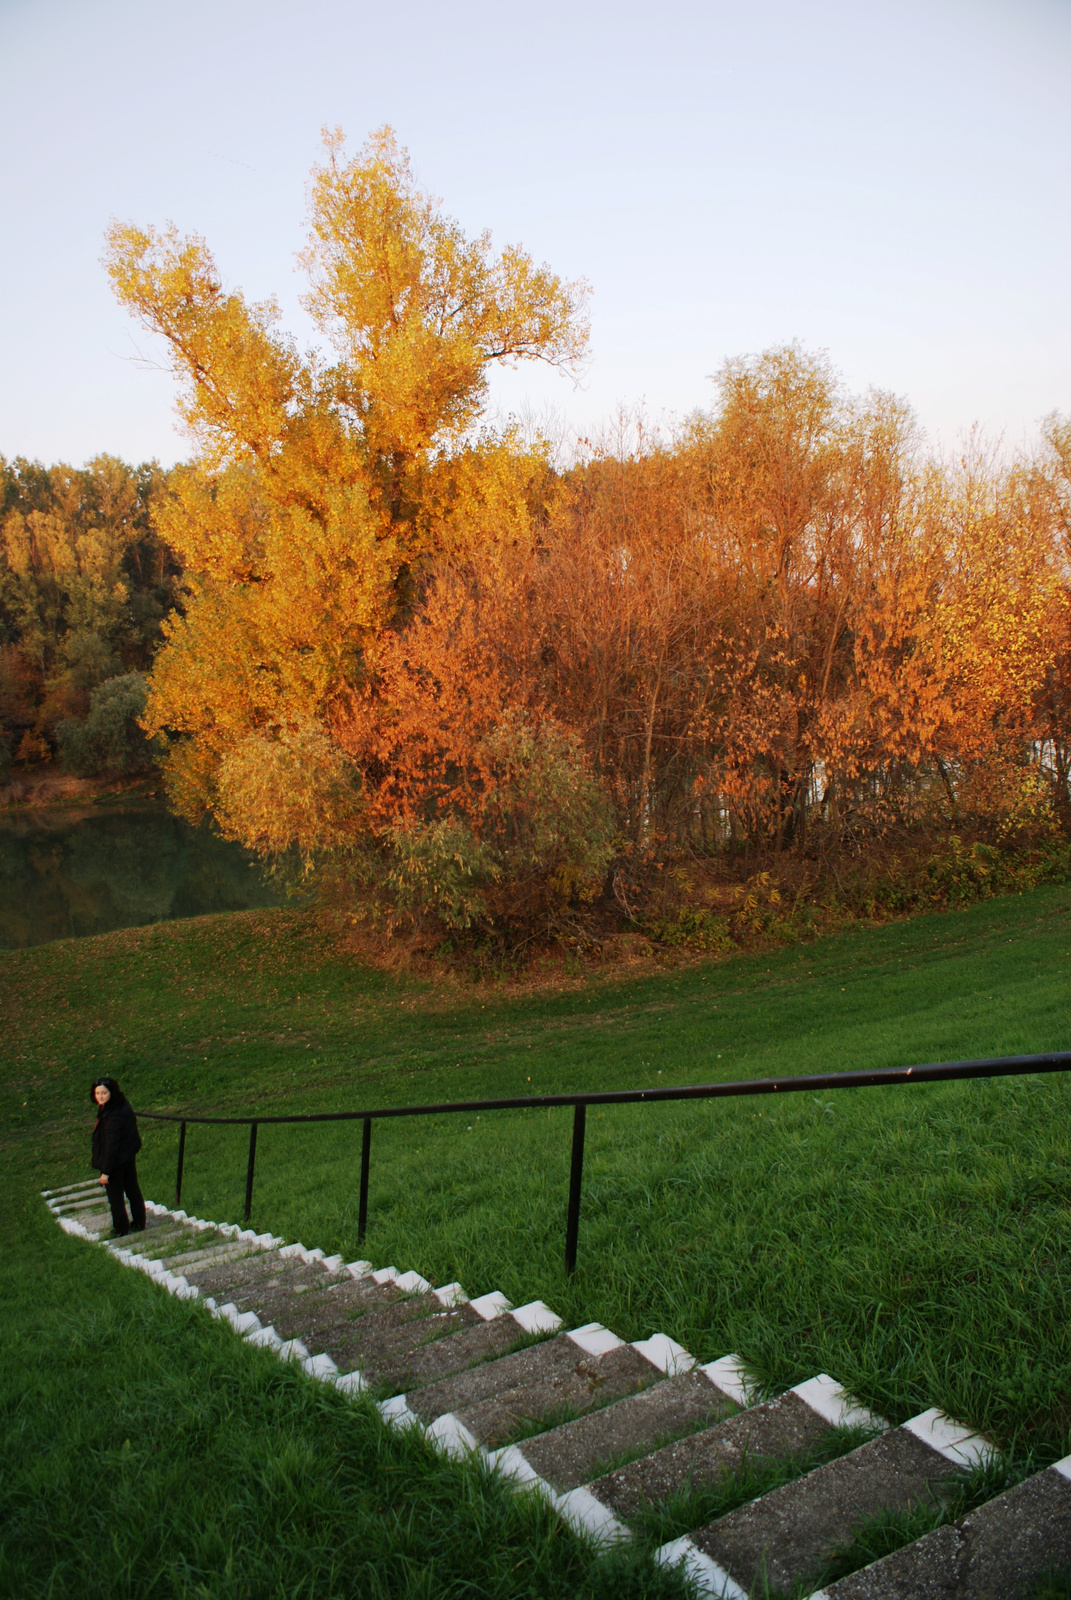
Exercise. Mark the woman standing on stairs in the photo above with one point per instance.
(116, 1142)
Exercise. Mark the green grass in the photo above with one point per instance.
(1058, 1587)
(146, 1452)
(914, 1242)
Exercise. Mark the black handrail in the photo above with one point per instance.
(876, 1077)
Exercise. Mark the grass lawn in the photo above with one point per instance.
(148, 1453)
(914, 1242)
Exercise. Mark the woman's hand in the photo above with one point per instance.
(103, 1179)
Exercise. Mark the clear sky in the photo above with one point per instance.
(887, 180)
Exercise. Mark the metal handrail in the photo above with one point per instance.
(876, 1077)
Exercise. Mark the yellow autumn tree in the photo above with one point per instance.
(322, 483)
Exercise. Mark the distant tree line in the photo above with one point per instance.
(86, 582)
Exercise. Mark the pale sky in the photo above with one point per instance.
(886, 180)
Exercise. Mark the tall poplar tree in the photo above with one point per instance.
(321, 483)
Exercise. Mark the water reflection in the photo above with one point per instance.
(65, 874)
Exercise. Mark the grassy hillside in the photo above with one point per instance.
(150, 1455)
(914, 1242)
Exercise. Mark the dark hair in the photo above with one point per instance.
(118, 1098)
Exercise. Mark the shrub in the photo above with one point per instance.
(291, 790)
(33, 751)
(442, 869)
(110, 739)
(533, 842)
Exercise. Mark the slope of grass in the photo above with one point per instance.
(147, 1453)
(915, 1242)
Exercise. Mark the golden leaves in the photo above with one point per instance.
(417, 310)
(319, 491)
(783, 610)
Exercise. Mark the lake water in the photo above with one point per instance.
(67, 874)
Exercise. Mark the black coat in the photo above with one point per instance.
(115, 1138)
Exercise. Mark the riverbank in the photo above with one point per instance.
(114, 860)
(46, 786)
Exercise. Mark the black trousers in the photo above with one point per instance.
(123, 1179)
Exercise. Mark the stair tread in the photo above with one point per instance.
(469, 1347)
(257, 1267)
(428, 1349)
(209, 1250)
(296, 1299)
(155, 1236)
(567, 1456)
(999, 1552)
(775, 1429)
(493, 1399)
(397, 1340)
(786, 1536)
(381, 1341)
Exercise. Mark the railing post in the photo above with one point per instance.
(249, 1172)
(576, 1174)
(366, 1156)
(178, 1169)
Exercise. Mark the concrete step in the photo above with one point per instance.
(368, 1323)
(775, 1430)
(98, 1220)
(168, 1227)
(784, 1539)
(214, 1276)
(344, 1317)
(158, 1236)
(213, 1250)
(447, 1335)
(164, 1248)
(55, 1196)
(297, 1299)
(98, 1224)
(572, 1371)
(278, 1273)
(575, 1452)
(90, 1200)
(185, 1241)
(162, 1231)
(395, 1340)
(1002, 1551)
(479, 1341)
(385, 1344)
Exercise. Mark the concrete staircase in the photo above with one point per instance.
(607, 1431)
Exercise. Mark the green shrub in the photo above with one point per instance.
(693, 929)
(441, 869)
(110, 739)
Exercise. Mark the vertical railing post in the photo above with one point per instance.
(249, 1170)
(366, 1156)
(181, 1159)
(576, 1175)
